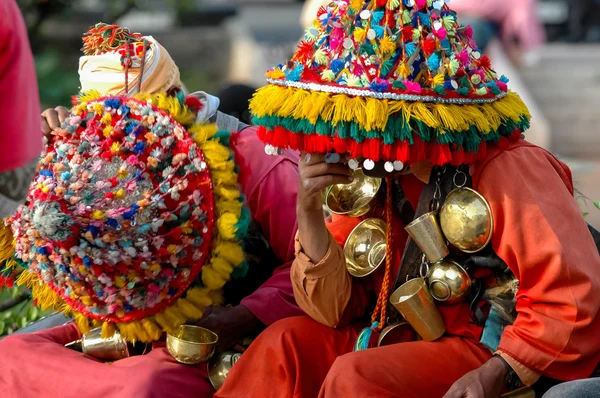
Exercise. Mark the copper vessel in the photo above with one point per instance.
(192, 344)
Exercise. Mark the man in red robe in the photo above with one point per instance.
(270, 190)
(399, 87)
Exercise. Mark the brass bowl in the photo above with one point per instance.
(448, 282)
(353, 199)
(466, 220)
(192, 344)
(365, 247)
(219, 367)
(399, 332)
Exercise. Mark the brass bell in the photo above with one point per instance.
(448, 282)
(365, 247)
(353, 199)
(105, 350)
(466, 220)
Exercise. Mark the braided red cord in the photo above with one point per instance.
(381, 307)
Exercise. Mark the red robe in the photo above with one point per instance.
(539, 232)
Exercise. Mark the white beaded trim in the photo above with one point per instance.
(367, 93)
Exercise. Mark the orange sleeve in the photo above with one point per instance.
(540, 233)
(326, 291)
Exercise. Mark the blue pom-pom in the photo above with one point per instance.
(410, 49)
(377, 17)
(379, 31)
(43, 251)
(87, 261)
(504, 79)
(124, 110)
(295, 74)
(337, 65)
(112, 103)
(433, 62)
(139, 148)
(111, 222)
(425, 19)
(93, 230)
(46, 173)
(380, 86)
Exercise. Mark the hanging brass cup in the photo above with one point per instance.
(448, 282)
(466, 220)
(427, 234)
(219, 367)
(365, 247)
(192, 344)
(105, 350)
(416, 305)
(353, 199)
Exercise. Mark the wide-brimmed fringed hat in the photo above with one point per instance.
(395, 80)
(134, 219)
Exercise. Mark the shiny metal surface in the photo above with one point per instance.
(353, 199)
(466, 220)
(427, 234)
(192, 344)
(219, 367)
(399, 332)
(416, 305)
(365, 247)
(448, 282)
(106, 350)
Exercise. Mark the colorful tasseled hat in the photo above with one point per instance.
(133, 221)
(388, 80)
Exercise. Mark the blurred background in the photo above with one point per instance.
(220, 42)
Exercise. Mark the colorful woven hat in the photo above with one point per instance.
(395, 80)
(133, 222)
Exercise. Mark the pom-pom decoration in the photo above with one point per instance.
(133, 221)
(388, 80)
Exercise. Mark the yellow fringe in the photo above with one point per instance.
(7, 244)
(373, 114)
(226, 252)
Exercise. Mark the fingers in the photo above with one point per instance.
(63, 113)
(44, 126)
(317, 184)
(52, 119)
(321, 169)
(315, 158)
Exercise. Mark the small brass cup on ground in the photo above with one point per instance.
(416, 305)
(192, 344)
(219, 367)
(448, 282)
(365, 247)
(105, 350)
(427, 234)
(353, 199)
(466, 220)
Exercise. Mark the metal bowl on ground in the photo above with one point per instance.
(353, 199)
(466, 220)
(365, 247)
(448, 282)
(219, 367)
(192, 344)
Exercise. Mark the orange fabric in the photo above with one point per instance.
(540, 233)
(302, 358)
(526, 375)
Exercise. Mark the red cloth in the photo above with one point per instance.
(299, 357)
(20, 137)
(37, 365)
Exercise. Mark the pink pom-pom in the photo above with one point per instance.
(421, 4)
(469, 32)
(502, 86)
(412, 87)
(441, 33)
(463, 57)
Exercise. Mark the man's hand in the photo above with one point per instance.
(51, 119)
(487, 381)
(231, 324)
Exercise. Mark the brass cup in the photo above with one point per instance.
(466, 220)
(219, 367)
(416, 305)
(399, 332)
(353, 199)
(427, 234)
(365, 247)
(448, 282)
(192, 344)
(105, 350)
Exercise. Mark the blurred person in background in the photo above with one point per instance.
(588, 388)
(20, 140)
(262, 297)
(235, 99)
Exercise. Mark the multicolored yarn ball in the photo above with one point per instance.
(395, 80)
(133, 221)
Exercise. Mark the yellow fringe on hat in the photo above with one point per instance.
(226, 253)
(372, 114)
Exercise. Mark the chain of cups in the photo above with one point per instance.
(331, 158)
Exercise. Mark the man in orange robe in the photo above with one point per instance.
(395, 122)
